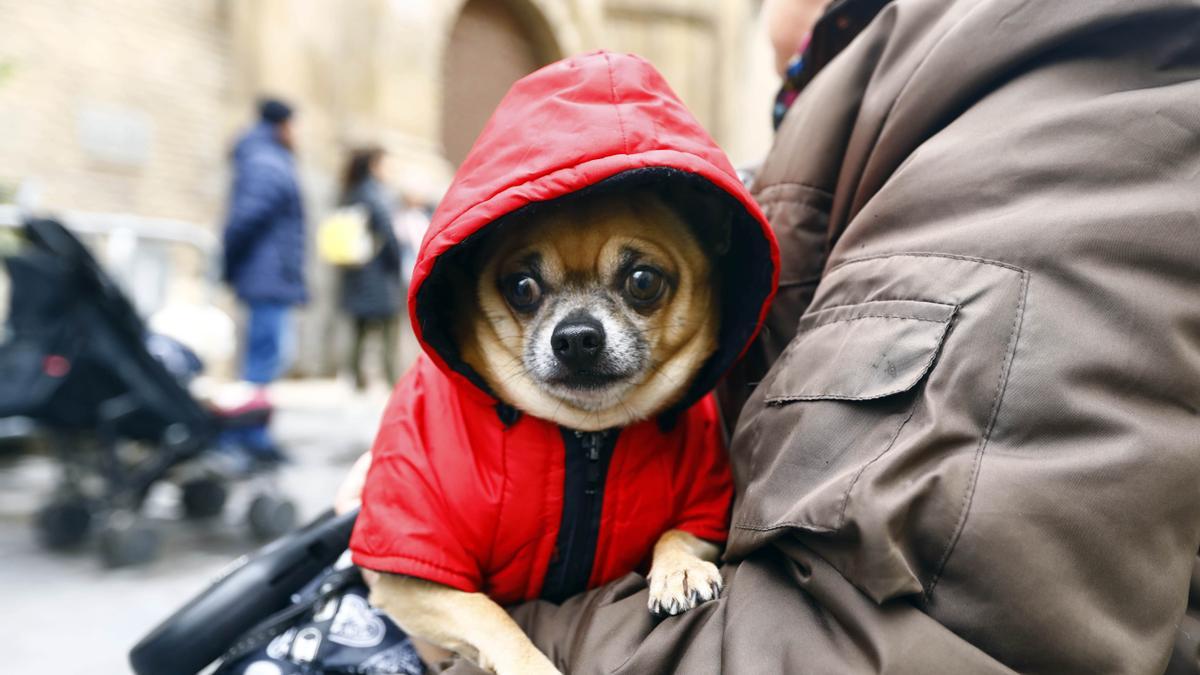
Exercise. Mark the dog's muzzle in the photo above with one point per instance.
(586, 353)
(578, 342)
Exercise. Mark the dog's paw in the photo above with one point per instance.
(681, 584)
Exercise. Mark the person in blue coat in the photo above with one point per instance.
(264, 240)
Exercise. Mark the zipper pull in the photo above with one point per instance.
(591, 443)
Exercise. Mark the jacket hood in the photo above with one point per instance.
(599, 121)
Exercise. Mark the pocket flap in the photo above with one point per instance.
(861, 352)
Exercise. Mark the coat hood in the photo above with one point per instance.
(589, 123)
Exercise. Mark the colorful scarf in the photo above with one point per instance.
(793, 82)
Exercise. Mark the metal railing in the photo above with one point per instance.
(135, 249)
(165, 230)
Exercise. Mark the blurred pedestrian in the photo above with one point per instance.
(264, 240)
(372, 293)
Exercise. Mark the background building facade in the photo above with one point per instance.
(130, 107)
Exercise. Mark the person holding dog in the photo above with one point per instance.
(965, 439)
(970, 446)
(594, 268)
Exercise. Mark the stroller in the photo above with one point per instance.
(74, 359)
(294, 607)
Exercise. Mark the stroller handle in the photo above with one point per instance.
(252, 589)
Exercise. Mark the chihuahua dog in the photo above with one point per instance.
(594, 314)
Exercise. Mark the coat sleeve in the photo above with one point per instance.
(259, 191)
(408, 523)
(706, 486)
(1030, 136)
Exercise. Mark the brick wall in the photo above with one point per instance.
(116, 105)
(131, 106)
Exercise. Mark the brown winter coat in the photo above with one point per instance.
(978, 446)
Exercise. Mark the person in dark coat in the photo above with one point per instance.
(373, 293)
(264, 239)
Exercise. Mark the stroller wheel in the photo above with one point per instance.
(203, 498)
(63, 523)
(271, 517)
(126, 540)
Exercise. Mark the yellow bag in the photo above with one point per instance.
(344, 238)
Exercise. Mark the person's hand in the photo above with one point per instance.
(349, 496)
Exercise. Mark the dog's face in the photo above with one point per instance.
(592, 314)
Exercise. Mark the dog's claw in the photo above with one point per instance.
(675, 590)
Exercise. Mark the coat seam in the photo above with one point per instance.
(784, 524)
(923, 254)
(612, 85)
(761, 192)
(902, 317)
(797, 283)
(860, 304)
(1001, 388)
(781, 401)
(851, 212)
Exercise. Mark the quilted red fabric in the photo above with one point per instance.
(458, 496)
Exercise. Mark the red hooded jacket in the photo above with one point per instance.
(466, 492)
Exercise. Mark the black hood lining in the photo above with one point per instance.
(745, 264)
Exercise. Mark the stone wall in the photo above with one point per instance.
(116, 105)
(131, 106)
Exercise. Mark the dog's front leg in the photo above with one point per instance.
(682, 573)
(470, 624)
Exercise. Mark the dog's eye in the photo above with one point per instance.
(644, 285)
(522, 292)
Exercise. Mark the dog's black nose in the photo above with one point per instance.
(577, 341)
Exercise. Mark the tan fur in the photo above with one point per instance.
(682, 575)
(470, 624)
(586, 240)
(581, 242)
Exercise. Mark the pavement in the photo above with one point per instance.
(65, 614)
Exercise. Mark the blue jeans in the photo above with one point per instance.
(268, 342)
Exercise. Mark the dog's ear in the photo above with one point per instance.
(707, 211)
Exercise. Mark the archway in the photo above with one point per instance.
(493, 43)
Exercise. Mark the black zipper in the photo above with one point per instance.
(588, 454)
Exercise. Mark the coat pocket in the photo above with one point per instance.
(865, 437)
(861, 352)
(834, 402)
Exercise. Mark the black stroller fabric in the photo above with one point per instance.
(75, 356)
(330, 628)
